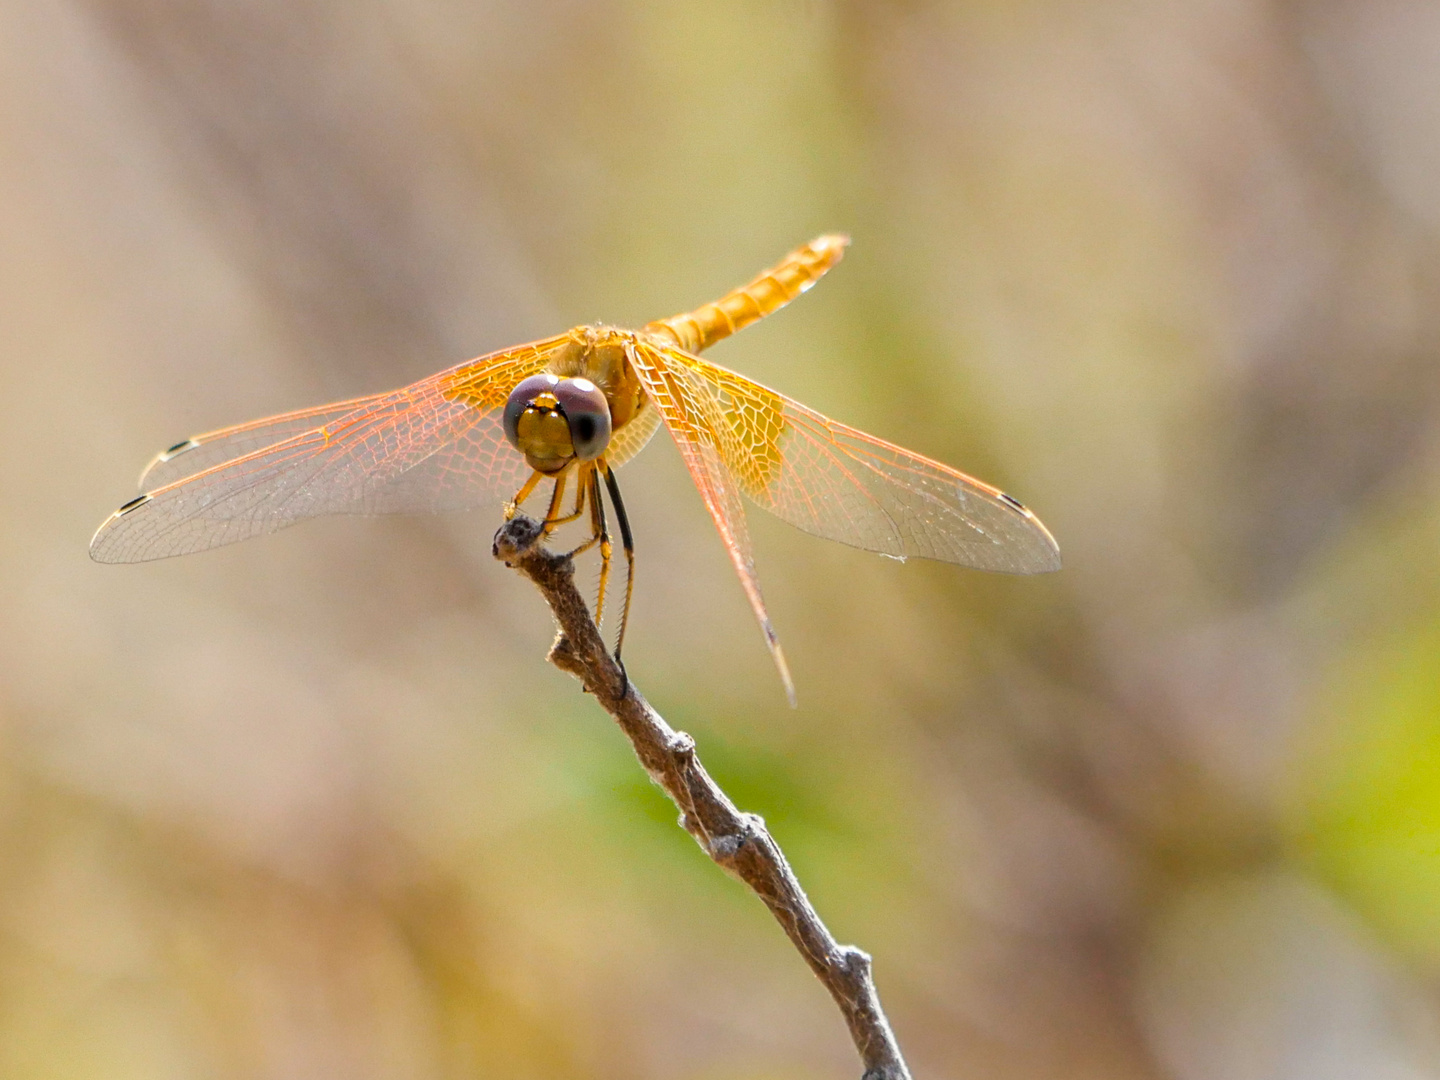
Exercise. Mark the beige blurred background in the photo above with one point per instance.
(315, 807)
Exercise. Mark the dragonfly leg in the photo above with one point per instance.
(552, 518)
(580, 492)
(513, 506)
(599, 534)
(628, 541)
(597, 524)
(597, 512)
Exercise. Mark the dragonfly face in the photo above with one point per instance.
(555, 421)
(576, 406)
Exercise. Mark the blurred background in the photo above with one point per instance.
(314, 806)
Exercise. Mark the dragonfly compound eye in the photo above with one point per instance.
(588, 415)
(521, 398)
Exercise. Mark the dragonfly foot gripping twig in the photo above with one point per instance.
(737, 841)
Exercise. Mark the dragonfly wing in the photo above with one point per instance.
(840, 483)
(631, 439)
(692, 413)
(435, 445)
(201, 452)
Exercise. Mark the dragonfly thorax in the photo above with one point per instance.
(553, 421)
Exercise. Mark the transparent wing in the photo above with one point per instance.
(692, 413)
(632, 438)
(201, 452)
(835, 481)
(435, 445)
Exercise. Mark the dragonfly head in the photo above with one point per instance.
(553, 421)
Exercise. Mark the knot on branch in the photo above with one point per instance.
(855, 962)
(726, 848)
(517, 539)
(563, 655)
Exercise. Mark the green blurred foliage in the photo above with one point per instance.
(1370, 823)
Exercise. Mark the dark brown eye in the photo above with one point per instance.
(588, 415)
(520, 398)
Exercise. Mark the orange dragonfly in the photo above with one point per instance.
(577, 406)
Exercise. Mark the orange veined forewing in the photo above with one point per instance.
(573, 408)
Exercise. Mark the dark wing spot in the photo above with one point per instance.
(132, 504)
(1014, 503)
(179, 448)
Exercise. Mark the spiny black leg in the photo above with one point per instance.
(628, 542)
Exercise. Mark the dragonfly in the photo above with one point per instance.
(574, 408)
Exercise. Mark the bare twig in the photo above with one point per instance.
(737, 841)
